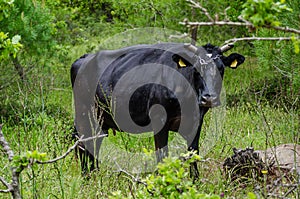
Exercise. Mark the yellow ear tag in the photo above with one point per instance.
(181, 63)
(234, 64)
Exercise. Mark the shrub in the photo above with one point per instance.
(172, 180)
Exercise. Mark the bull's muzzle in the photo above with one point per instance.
(209, 101)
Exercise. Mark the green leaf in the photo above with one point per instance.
(251, 195)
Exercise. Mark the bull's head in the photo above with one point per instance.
(211, 70)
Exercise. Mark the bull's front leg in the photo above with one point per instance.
(194, 146)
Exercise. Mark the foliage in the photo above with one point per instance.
(234, 9)
(28, 159)
(171, 181)
(264, 12)
(5, 6)
(9, 46)
(33, 22)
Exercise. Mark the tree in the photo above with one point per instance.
(8, 46)
(33, 22)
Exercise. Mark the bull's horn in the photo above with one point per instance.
(191, 47)
(226, 47)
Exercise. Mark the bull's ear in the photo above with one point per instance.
(233, 60)
(181, 62)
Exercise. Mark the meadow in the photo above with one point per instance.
(260, 110)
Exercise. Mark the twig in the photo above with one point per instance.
(62, 156)
(243, 23)
(135, 179)
(182, 36)
(216, 23)
(226, 18)
(243, 20)
(8, 186)
(4, 191)
(259, 39)
(80, 140)
(284, 29)
(282, 72)
(290, 190)
(204, 10)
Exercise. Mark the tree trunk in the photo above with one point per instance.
(19, 68)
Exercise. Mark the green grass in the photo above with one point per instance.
(245, 126)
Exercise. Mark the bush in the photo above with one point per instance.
(33, 22)
(171, 181)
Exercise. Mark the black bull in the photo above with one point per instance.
(144, 88)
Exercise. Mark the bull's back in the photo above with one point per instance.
(145, 96)
(75, 67)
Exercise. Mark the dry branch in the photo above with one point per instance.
(243, 22)
(284, 29)
(135, 179)
(6, 146)
(12, 187)
(259, 39)
(80, 140)
(233, 23)
(216, 23)
(6, 184)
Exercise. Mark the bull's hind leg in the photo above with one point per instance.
(88, 162)
(161, 144)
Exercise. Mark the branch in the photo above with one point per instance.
(182, 36)
(259, 39)
(10, 155)
(6, 146)
(243, 23)
(8, 186)
(80, 140)
(135, 179)
(4, 191)
(216, 23)
(13, 187)
(284, 29)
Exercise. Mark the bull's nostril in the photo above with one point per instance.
(213, 99)
(209, 101)
(205, 99)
